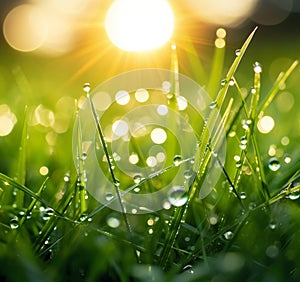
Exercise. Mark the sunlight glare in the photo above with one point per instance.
(139, 25)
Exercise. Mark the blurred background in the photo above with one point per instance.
(50, 48)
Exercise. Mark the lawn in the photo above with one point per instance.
(181, 163)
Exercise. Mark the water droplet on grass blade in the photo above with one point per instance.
(213, 105)
(272, 225)
(223, 82)
(109, 196)
(228, 235)
(243, 195)
(47, 213)
(178, 196)
(257, 67)
(237, 52)
(84, 156)
(177, 160)
(137, 178)
(14, 223)
(86, 87)
(274, 164)
(231, 82)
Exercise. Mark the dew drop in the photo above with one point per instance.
(14, 223)
(83, 217)
(117, 183)
(243, 140)
(223, 82)
(67, 178)
(231, 82)
(274, 164)
(178, 196)
(177, 160)
(84, 156)
(213, 105)
(257, 67)
(137, 178)
(188, 269)
(253, 90)
(228, 235)
(294, 196)
(109, 196)
(86, 87)
(237, 52)
(47, 213)
(272, 225)
(243, 195)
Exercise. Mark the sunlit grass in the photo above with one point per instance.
(245, 227)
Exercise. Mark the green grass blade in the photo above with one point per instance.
(276, 87)
(21, 166)
(109, 161)
(232, 70)
(216, 71)
(8, 182)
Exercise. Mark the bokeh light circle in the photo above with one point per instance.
(25, 28)
(152, 142)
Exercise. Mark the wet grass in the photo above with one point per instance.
(245, 229)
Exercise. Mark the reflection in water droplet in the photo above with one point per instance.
(67, 178)
(295, 195)
(177, 160)
(213, 105)
(178, 196)
(84, 156)
(274, 164)
(14, 223)
(223, 82)
(47, 213)
(243, 195)
(188, 269)
(272, 225)
(257, 67)
(237, 52)
(231, 82)
(113, 222)
(228, 235)
(137, 178)
(86, 87)
(109, 196)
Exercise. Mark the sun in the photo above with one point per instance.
(139, 25)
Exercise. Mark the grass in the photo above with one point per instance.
(245, 229)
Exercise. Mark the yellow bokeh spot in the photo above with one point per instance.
(220, 43)
(7, 120)
(44, 170)
(139, 25)
(24, 28)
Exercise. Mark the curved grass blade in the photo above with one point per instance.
(276, 87)
(8, 182)
(110, 165)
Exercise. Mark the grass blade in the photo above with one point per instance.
(21, 166)
(276, 87)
